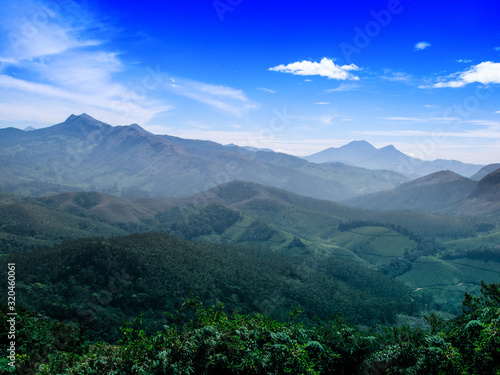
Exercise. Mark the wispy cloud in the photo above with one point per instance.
(266, 90)
(421, 46)
(397, 77)
(465, 61)
(322, 103)
(418, 119)
(343, 87)
(325, 68)
(489, 130)
(486, 73)
(62, 68)
(224, 98)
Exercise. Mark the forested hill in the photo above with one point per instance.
(104, 282)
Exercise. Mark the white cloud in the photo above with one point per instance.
(35, 29)
(419, 119)
(397, 77)
(421, 46)
(223, 98)
(64, 69)
(322, 103)
(325, 68)
(465, 61)
(489, 130)
(497, 48)
(267, 90)
(486, 73)
(343, 87)
(497, 111)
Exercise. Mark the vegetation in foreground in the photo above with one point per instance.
(209, 341)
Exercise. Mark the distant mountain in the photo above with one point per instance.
(249, 148)
(444, 192)
(483, 172)
(83, 153)
(363, 154)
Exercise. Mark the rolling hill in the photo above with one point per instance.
(363, 154)
(85, 154)
(398, 244)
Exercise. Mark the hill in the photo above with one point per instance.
(414, 247)
(84, 154)
(28, 223)
(486, 170)
(443, 192)
(363, 154)
(103, 282)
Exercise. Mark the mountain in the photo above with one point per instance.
(249, 148)
(83, 153)
(486, 170)
(363, 154)
(444, 192)
(436, 192)
(485, 198)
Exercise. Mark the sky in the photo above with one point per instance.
(294, 76)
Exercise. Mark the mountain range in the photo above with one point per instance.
(83, 154)
(363, 154)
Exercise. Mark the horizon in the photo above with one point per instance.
(295, 78)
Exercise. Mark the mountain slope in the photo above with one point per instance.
(483, 172)
(363, 154)
(439, 191)
(444, 192)
(85, 154)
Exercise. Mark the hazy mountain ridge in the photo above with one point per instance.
(486, 170)
(86, 154)
(445, 192)
(363, 154)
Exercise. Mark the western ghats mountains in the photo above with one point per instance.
(363, 154)
(84, 154)
(444, 192)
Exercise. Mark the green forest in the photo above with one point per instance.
(246, 279)
(209, 340)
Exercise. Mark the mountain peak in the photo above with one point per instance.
(389, 147)
(84, 116)
(359, 144)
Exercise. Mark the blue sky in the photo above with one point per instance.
(296, 77)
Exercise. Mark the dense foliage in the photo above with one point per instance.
(201, 340)
(103, 282)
